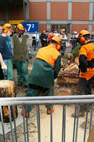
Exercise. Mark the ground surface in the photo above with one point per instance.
(45, 121)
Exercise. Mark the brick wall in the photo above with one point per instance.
(42, 27)
(59, 10)
(2, 13)
(15, 12)
(79, 27)
(38, 11)
(80, 10)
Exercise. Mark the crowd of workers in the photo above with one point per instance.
(47, 63)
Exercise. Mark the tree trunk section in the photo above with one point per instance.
(7, 89)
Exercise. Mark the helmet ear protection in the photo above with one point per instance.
(81, 38)
(57, 39)
(58, 47)
(5, 30)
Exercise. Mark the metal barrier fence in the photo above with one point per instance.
(56, 100)
(65, 45)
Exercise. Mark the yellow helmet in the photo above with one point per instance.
(7, 27)
(58, 40)
(81, 35)
(20, 27)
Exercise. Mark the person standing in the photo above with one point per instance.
(4, 50)
(86, 65)
(56, 33)
(74, 37)
(19, 47)
(43, 38)
(45, 69)
(10, 65)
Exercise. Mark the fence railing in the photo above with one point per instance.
(56, 100)
(65, 45)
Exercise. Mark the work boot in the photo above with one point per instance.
(49, 111)
(81, 114)
(28, 113)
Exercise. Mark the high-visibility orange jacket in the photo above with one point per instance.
(86, 60)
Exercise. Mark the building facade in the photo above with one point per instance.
(50, 14)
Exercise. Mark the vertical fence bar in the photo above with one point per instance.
(27, 126)
(62, 126)
(24, 124)
(91, 118)
(14, 124)
(11, 124)
(51, 138)
(63, 123)
(74, 122)
(77, 123)
(38, 122)
(2, 124)
(64, 120)
(86, 122)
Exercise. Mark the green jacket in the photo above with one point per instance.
(20, 49)
(46, 67)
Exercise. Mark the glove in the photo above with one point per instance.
(30, 56)
(3, 66)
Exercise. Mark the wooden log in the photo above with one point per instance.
(64, 91)
(7, 89)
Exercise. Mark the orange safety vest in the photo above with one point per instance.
(48, 54)
(88, 51)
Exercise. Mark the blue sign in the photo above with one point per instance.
(31, 27)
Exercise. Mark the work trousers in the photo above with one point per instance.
(33, 92)
(84, 88)
(22, 71)
(8, 74)
(10, 70)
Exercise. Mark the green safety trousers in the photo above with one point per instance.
(22, 71)
(10, 70)
(36, 92)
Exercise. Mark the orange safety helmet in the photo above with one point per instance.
(58, 40)
(81, 35)
(20, 27)
(7, 27)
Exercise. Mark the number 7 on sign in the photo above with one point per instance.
(30, 26)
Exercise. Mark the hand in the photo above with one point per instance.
(4, 66)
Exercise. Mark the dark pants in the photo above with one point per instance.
(84, 88)
(34, 91)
